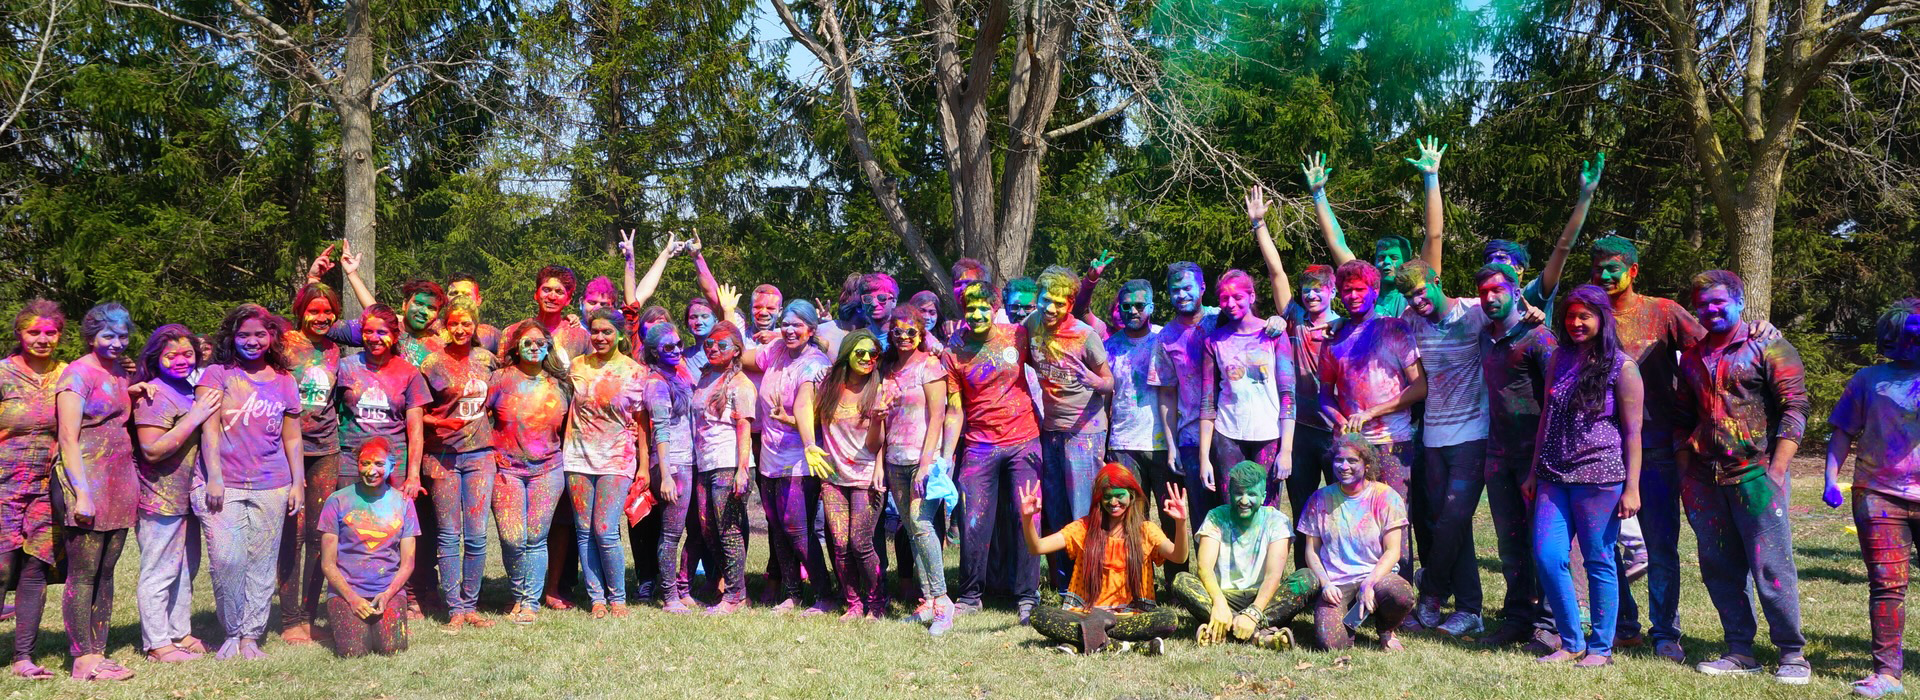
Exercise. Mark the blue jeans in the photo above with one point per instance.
(523, 510)
(918, 516)
(984, 468)
(599, 511)
(1660, 526)
(1746, 540)
(673, 525)
(1068, 463)
(462, 495)
(1562, 512)
(1454, 476)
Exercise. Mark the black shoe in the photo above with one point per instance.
(1543, 642)
(1507, 636)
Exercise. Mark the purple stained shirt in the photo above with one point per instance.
(1580, 444)
(1250, 390)
(1366, 367)
(370, 534)
(106, 447)
(782, 454)
(1140, 367)
(165, 483)
(251, 413)
(906, 389)
(1880, 409)
(1185, 344)
(374, 403)
(670, 410)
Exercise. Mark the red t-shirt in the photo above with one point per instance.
(993, 385)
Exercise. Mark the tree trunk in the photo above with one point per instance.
(1753, 250)
(354, 104)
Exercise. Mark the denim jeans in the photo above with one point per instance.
(243, 542)
(523, 509)
(169, 560)
(667, 585)
(1069, 461)
(918, 517)
(791, 502)
(462, 493)
(599, 511)
(723, 523)
(1887, 525)
(1744, 534)
(1454, 476)
(1524, 606)
(1561, 514)
(851, 513)
(983, 469)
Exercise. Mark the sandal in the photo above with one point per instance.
(454, 624)
(29, 670)
(599, 611)
(554, 602)
(170, 654)
(474, 618)
(521, 615)
(192, 644)
(619, 610)
(297, 634)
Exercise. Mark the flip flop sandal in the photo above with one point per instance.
(1274, 638)
(192, 644)
(32, 672)
(171, 654)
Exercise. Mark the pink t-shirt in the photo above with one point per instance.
(252, 411)
(1367, 368)
(846, 444)
(905, 390)
(716, 435)
(1880, 408)
(782, 454)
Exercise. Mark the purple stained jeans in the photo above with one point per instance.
(462, 497)
(1887, 525)
(1069, 461)
(983, 469)
(851, 513)
(667, 585)
(791, 502)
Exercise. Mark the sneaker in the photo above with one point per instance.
(1427, 612)
(961, 607)
(1671, 651)
(644, 593)
(1507, 635)
(1878, 685)
(1543, 642)
(1026, 612)
(942, 619)
(1728, 665)
(1635, 570)
(1794, 672)
(1461, 624)
(1154, 647)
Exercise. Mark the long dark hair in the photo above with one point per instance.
(550, 366)
(1093, 550)
(157, 343)
(1596, 357)
(679, 388)
(37, 308)
(827, 400)
(310, 292)
(894, 357)
(275, 357)
(717, 403)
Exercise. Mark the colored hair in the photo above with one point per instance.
(978, 291)
(1718, 278)
(1021, 285)
(1236, 275)
(1394, 243)
(36, 308)
(312, 291)
(157, 343)
(559, 272)
(1093, 549)
(1320, 276)
(379, 311)
(101, 316)
(805, 312)
(778, 301)
(417, 285)
(611, 315)
(679, 389)
(1412, 274)
(1513, 250)
(1184, 267)
(970, 265)
(875, 280)
(1492, 270)
(1059, 280)
(1246, 476)
(1890, 331)
(1596, 359)
(375, 444)
(600, 285)
(224, 353)
(1357, 269)
(717, 403)
(1615, 247)
(1375, 458)
(550, 365)
(827, 400)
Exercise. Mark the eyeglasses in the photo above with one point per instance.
(907, 332)
(864, 354)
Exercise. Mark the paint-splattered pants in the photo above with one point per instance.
(1063, 624)
(1228, 452)
(87, 605)
(385, 633)
(169, 559)
(673, 526)
(723, 526)
(1454, 476)
(917, 516)
(462, 490)
(851, 513)
(300, 544)
(1068, 463)
(1311, 467)
(1398, 474)
(1744, 534)
(1392, 602)
(1524, 607)
(1887, 526)
(1296, 593)
(30, 599)
(243, 539)
(984, 468)
(1660, 530)
(791, 502)
(599, 502)
(1562, 513)
(523, 506)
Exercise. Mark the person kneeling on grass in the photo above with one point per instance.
(1243, 551)
(367, 534)
(1355, 528)
(1113, 550)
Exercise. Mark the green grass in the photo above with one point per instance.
(760, 655)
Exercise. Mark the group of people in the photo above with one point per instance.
(1368, 417)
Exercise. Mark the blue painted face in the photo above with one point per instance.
(1718, 309)
(1185, 289)
(700, 321)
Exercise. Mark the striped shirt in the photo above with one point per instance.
(1456, 389)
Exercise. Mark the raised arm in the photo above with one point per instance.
(643, 292)
(708, 288)
(1557, 262)
(350, 267)
(1029, 503)
(626, 273)
(1276, 270)
(1317, 170)
(1431, 151)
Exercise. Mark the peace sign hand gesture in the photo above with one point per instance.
(1029, 499)
(349, 262)
(626, 243)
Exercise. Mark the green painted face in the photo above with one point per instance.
(1247, 499)
(1116, 502)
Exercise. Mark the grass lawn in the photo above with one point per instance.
(760, 655)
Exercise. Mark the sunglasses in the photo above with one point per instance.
(864, 354)
(907, 331)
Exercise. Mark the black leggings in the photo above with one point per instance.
(30, 599)
(87, 606)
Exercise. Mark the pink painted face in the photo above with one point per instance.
(1236, 299)
(377, 335)
(1583, 323)
(178, 359)
(1358, 297)
(766, 308)
(40, 336)
(552, 296)
(595, 302)
(319, 316)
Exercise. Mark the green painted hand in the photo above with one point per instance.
(1099, 264)
(1316, 170)
(1590, 172)
(1431, 150)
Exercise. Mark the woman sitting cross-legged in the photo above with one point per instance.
(1355, 528)
(1237, 583)
(1114, 549)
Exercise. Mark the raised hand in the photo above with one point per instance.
(1099, 264)
(1316, 170)
(626, 243)
(1590, 172)
(1175, 507)
(349, 262)
(692, 245)
(729, 298)
(1256, 202)
(1431, 150)
(1029, 499)
(322, 264)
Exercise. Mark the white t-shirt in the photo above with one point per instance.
(1243, 552)
(1140, 367)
